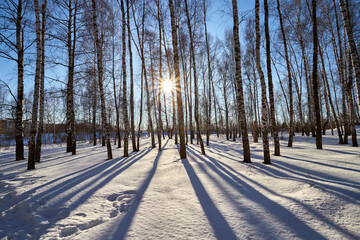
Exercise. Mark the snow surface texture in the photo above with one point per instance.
(305, 194)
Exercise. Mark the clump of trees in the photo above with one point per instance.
(284, 65)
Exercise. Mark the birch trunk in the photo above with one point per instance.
(20, 88)
(42, 87)
(315, 78)
(291, 110)
(240, 95)
(31, 157)
(270, 82)
(208, 120)
(124, 96)
(264, 113)
(351, 104)
(345, 13)
(100, 80)
(132, 113)
(115, 95)
(192, 53)
(177, 82)
(160, 125)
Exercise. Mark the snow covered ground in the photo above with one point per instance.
(305, 194)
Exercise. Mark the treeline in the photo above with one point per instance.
(155, 66)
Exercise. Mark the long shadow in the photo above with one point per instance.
(315, 175)
(308, 208)
(103, 170)
(125, 223)
(222, 166)
(95, 184)
(282, 214)
(342, 152)
(218, 223)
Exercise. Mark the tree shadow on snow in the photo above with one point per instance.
(219, 224)
(95, 176)
(239, 182)
(122, 229)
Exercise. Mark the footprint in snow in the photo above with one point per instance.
(121, 201)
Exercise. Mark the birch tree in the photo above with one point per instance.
(238, 77)
(270, 82)
(100, 79)
(345, 13)
(35, 105)
(180, 114)
(124, 88)
(288, 68)
(264, 114)
(315, 78)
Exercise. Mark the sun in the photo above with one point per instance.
(167, 86)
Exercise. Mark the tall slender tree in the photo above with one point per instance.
(345, 13)
(192, 53)
(288, 67)
(270, 82)
(315, 78)
(132, 111)
(20, 88)
(180, 113)
(100, 79)
(238, 78)
(264, 113)
(42, 86)
(35, 106)
(124, 95)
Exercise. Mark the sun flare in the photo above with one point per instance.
(167, 86)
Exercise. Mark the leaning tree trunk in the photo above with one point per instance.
(100, 80)
(192, 53)
(177, 82)
(20, 88)
(124, 97)
(240, 95)
(352, 46)
(42, 87)
(264, 113)
(291, 110)
(31, 157)
(270, 83)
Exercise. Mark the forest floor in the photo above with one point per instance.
(305, 194)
